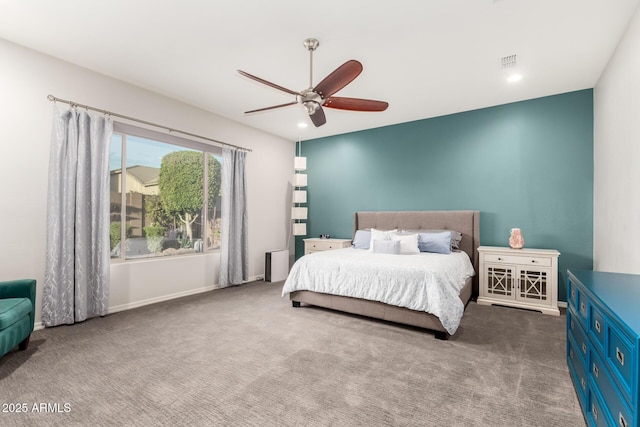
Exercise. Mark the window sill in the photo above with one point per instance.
(163, 257)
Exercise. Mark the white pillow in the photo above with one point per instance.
(408, 243)
(380, 235)
(386, 246)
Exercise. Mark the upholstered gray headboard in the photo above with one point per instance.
(466, 222)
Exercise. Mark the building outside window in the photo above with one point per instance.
(158, 184)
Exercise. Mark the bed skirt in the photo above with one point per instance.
(379, 310)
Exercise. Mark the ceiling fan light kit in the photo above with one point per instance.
(314, 98)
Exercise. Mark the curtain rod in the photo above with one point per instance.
(75, 104)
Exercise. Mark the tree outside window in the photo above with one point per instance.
(165, 207)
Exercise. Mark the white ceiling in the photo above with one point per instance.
(425, 57)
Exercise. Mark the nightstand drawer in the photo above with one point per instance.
(322, 246)
(516, 259)
(622, 355)
(319, 246)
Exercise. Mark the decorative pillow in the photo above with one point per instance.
(456, 236)
(385, 246)
(380, 235)
(439, 243)
(362, 239)
(408, 243)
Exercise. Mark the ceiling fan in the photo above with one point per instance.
(314, 98)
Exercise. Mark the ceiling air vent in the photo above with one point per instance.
(508, 61)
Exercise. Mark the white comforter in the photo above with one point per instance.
(426, 282)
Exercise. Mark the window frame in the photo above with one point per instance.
(124, 130)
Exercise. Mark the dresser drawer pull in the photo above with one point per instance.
(620, 356)
(598, 326)
(596, 371)
(594, 410)
(583, 383)
(572, 324)
(573, 294)
(584, 348)
(499, 259)
(583, 308)
(533, 260)
(621, 420)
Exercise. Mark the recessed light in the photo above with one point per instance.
(514, 78)
(302, 125)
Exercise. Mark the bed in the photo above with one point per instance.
(299, 287)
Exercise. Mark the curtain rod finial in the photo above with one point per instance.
(51, 98)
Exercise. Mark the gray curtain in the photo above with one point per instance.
(76, 284)
(234, 254)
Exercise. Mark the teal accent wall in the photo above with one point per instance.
(528, 164)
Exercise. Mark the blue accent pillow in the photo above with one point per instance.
(456, 236)
(439, 243)
(362, 239)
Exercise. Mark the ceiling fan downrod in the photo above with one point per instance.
(311, 45)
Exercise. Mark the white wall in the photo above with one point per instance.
(616, 214)
(26, 78)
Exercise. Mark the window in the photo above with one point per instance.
(158, 184)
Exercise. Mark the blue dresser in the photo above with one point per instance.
(603, 340)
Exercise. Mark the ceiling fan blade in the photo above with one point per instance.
(339, 78)
(355, 104)
(318, 118)
(263, 81)
(271, 108)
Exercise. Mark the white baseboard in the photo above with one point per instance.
(562, 304)
(142, 303)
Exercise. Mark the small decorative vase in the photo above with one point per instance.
(516, 241)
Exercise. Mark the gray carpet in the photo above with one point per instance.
(243, 356)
